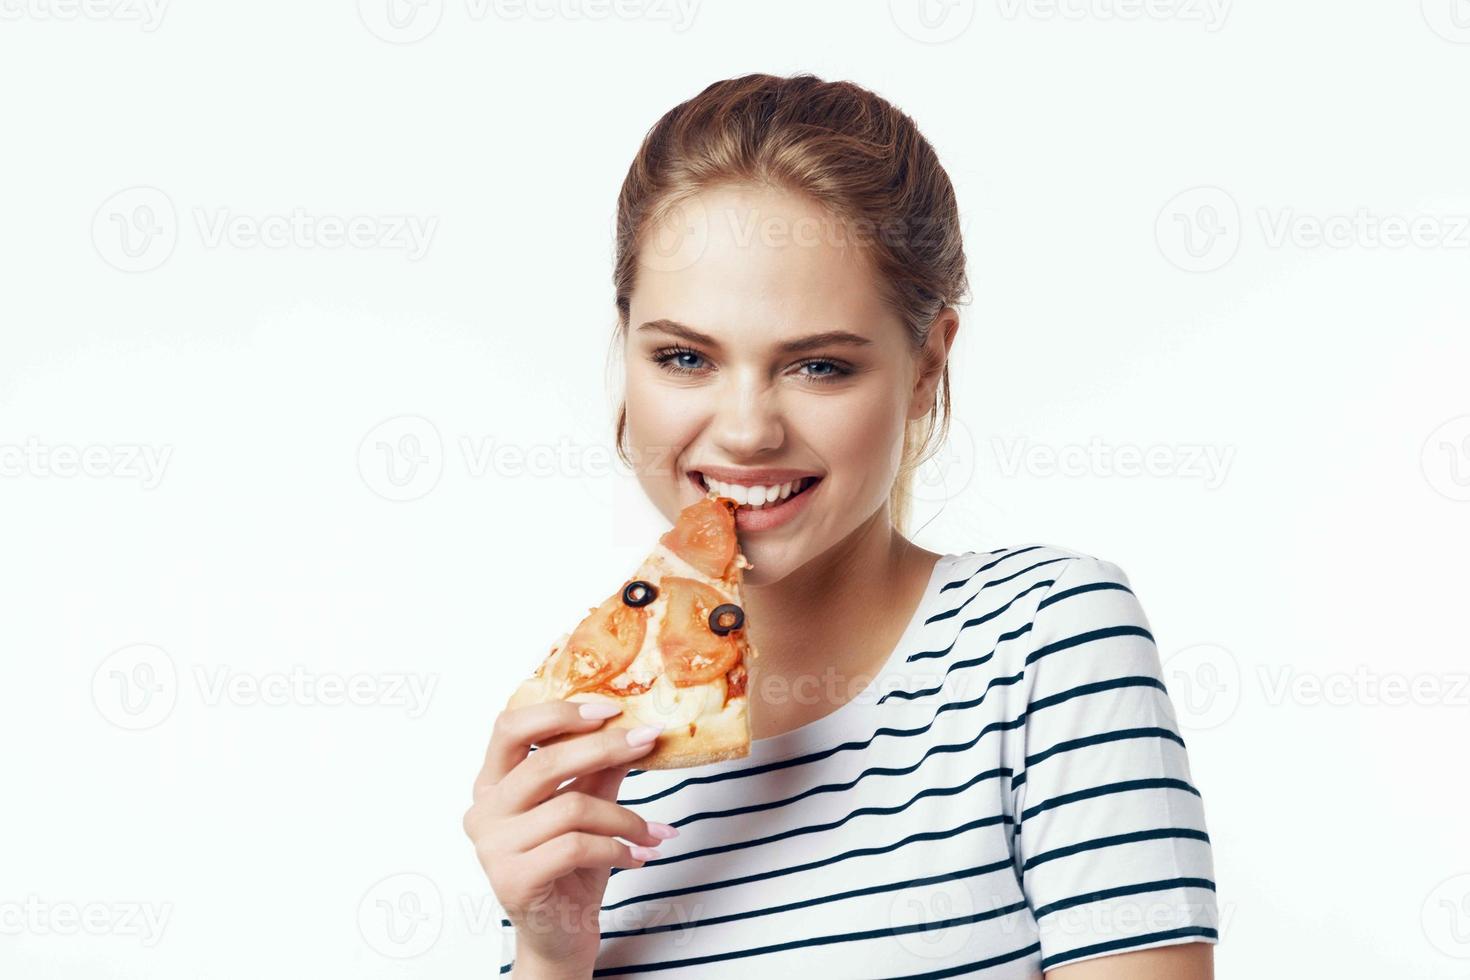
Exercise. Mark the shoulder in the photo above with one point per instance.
(1043, 614)
(1035, 600)
(1048, 569)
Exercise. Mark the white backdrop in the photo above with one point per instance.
(305, 435)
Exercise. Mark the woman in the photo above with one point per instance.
(964, 764)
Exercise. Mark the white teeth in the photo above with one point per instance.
(753, 497)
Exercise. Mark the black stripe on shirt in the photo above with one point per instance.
(972, 662)
(1098, 843)
(1107, 789)
(985, 964)
(931, 654)
(962, 582)
(1082, 743)
(951, 613)
(973, 872)
(763, 876)
(1077, 590)
(1107, 893)
(812, 757)
(933, 750)
(865, 811)
(1088, 637)
(844, 937)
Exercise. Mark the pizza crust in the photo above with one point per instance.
(709, 737)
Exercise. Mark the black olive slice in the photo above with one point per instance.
(726, 617)
(639, 593)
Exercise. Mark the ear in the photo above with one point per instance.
(931, 360)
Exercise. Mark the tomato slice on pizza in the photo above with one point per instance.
(670, 646)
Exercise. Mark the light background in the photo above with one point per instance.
(1326, 547)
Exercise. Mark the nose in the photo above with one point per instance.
(747, 419)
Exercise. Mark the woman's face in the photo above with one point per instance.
(725, 380)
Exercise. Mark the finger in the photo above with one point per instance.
(571, 812)
(517, 729)
(538, 776)
(603, 784)
(562, 855)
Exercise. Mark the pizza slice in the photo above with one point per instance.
(670, 646)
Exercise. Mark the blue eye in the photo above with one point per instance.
(676, 360)
(836, 371)
(667, 358)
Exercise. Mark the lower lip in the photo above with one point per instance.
(772, 515)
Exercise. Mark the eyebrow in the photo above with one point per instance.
(826, 338)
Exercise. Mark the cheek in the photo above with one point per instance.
(860, 441)
(661, 425)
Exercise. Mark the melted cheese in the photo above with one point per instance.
(666, 703)
(647, 666)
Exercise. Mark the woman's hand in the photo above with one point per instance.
(547, 850)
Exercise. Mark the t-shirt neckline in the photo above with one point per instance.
(815, 734)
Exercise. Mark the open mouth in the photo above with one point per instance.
(759, 497)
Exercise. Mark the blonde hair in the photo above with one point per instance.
(837, 144)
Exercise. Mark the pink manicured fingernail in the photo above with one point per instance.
(643, 734)
(662, 831)
(644, 853)
(599, 709)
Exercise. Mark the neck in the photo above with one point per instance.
(823, 631)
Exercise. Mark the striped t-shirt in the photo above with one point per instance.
(1010, 794)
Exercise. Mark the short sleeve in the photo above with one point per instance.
(1110, 846)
